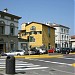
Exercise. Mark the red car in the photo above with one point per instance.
(51, 50)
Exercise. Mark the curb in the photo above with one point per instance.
(39, 56)
(72, 53)
(73, 64)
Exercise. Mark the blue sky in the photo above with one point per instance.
(54, 11)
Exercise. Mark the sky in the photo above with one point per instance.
(43, 11)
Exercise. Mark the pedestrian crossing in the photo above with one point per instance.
(21, 65)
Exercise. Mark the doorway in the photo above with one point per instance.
(1, 48)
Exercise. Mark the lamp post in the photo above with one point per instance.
(29, 42)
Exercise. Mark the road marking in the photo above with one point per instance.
(46, 61)
(63, 71)
(32, 68)
(40, 60)
(2, 59)
(56, 63)
(21, 65)
(69, 58)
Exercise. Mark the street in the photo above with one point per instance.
(45, 66)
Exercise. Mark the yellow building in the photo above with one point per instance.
(38, 34)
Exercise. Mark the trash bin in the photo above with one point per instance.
(10, 65)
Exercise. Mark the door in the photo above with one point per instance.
(1, 48)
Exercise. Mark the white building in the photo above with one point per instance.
(8, 31)
(61, 35)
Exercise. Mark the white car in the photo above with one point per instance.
(42, 51)
(15, 52)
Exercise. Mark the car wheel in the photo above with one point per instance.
(61, 53)
(67, 52)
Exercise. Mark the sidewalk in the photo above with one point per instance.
(50, 55)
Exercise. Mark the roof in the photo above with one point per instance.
(41, 24)
(58, 25)
(22, 40)
(73, 37)
(10, 15)
(21, 31)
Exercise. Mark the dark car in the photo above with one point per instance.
(34, 51)
(65, 50)
(72, 50)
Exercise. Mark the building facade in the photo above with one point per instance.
(72, 41)
(38, 34)
(61, 36)
(8, 31)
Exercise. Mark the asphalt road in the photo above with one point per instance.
(43, 66)
(52, 66)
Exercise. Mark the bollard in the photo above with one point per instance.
(10, 65)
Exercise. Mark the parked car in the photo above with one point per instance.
(41, 50)
(33, 51)
(14, 52)
(65, 50)
(57, 50)
(52, 50)
(72, 50)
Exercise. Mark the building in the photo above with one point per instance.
(8, 31)
(72, 40)
(38, 34)
(61, 35)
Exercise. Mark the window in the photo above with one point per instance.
(12, 46)
(49, 45)
(62, 30)
(12, 19)
(2, 27)
(27, 33)
(39, 32)
(62, 45)
(62, 37)
(33, 32)
(31, 39)
(2, 16)
(23, 34)
(49, 31)
(12, 29)
(67, 37)
(67, 31)
(33, 28)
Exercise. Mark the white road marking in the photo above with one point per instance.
(2, 59)
(56, 62)
(32, 68)
(41, 60)
(46, 61)
(63, 71)
(70, 58)
(21, 65)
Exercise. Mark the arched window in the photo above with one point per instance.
(2, 22)
(12, 29)
(33, 28)
(2, 27)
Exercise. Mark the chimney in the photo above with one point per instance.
(5, 10)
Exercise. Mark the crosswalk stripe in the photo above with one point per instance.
(70, 58)
(21, 65)
(32, 68)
